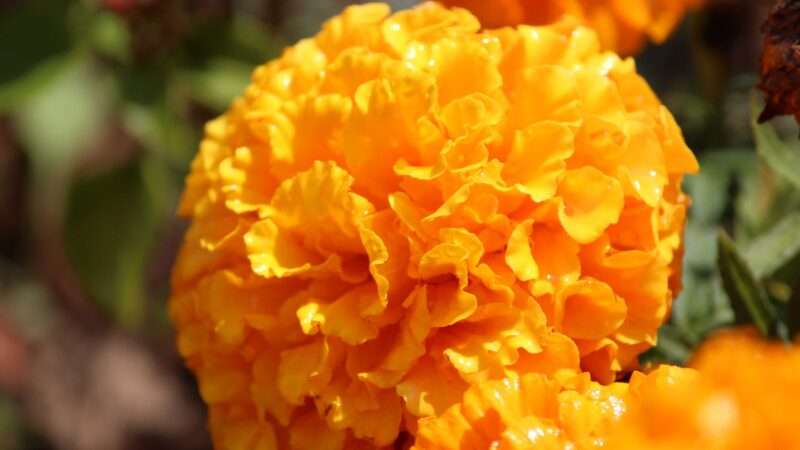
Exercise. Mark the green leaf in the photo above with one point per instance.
(700, 248)
(63, 117)
(109, 35)
(770, 252)
(782, 157)
(33, 37)
(793, 315)
(748, 298)
(671, 348)
(109, 231)
(701, 307)
(216, 85)
(162, 132)
(710, 188)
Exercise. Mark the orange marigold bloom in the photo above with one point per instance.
(526, 412)
(403, 206)
(742, 396)
(622, 25)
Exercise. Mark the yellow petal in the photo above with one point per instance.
(556, 255)
(319, 206)
(357, 26)
(274, 253)
(642, 164)
(344, 318)
(459, 251)
(305, 370)
(429, 389)
(426, 24)
(467, 113)
(452, 58)
(449, 304)
(388, 255)
(590, 203)
(537, 158)
(408, 344)
(678, 157)
(545, 93)
(518, 252)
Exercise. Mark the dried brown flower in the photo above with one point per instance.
(780, 61)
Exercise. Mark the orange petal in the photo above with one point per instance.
(429, 389)
(537, 158)
(590, 203)
(589, 309)
(544, 93)
(310, 432)
(319, 205)
(344, 318)
(452, 58)
(556, 254)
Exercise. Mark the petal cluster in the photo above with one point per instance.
(742, 396)
(527, 412)
(406, 205)
(622, 25)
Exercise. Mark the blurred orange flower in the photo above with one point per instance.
(622, 25)
(742, 397)
(404, 206)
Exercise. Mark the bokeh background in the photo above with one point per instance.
(102, 104)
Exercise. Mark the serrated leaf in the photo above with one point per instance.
(771, 251)
(781, 156)
(748, 298)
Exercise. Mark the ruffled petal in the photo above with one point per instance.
(590, 202)
(537, 159)
(589, 309)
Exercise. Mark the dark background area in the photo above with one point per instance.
(102, 105)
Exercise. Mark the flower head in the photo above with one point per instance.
(622, 25)
(741, 396)
(404, 206)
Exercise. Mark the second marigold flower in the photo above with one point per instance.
(404, 206)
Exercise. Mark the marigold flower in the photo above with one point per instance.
(404, 206)
(622, 25)
(742, 396)
(526, 412)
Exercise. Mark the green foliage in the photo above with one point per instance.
(783, 157)
(776, 249)
(58, 121)
(110, 125)
(110, 227)
(748, 297)
(22, 72)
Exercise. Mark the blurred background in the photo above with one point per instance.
(102, 104)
